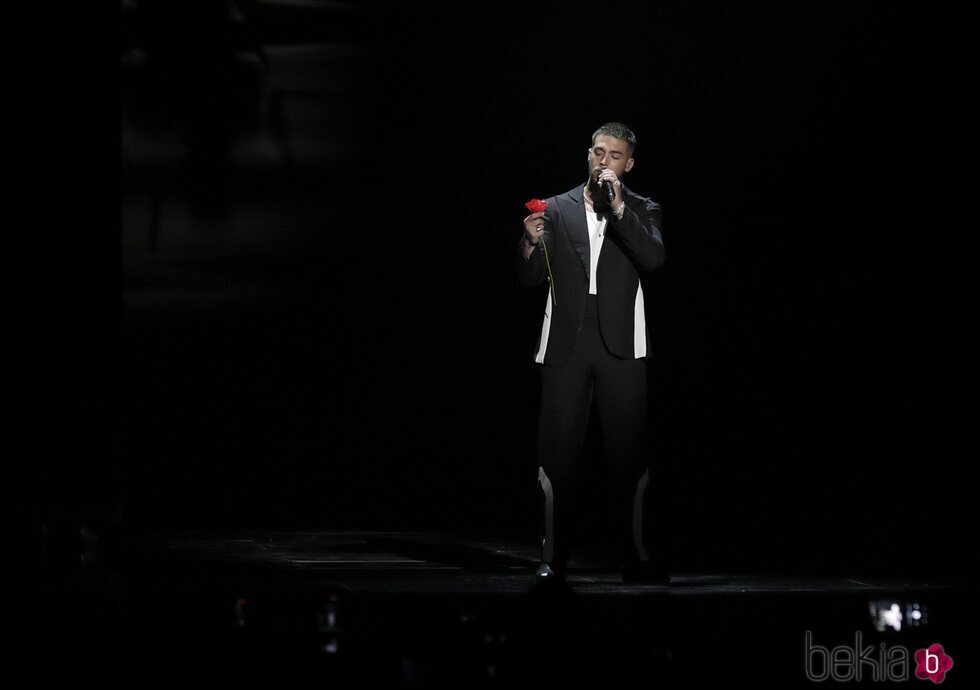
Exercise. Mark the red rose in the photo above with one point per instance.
(535, 205)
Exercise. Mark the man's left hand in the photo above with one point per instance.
(609, 176)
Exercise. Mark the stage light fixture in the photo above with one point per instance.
(892, 614)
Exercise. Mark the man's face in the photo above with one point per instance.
(608, 152)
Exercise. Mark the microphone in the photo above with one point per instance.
(608, 189)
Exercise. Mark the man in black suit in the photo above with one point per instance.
(598, 239)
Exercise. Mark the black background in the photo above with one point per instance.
(814, 373)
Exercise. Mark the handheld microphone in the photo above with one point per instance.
(608, 189)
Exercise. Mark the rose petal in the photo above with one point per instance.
(536, 205)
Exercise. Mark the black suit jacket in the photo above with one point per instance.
(631, 246)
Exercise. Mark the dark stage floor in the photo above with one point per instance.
(410, 609)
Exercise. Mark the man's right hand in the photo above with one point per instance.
(534, 227)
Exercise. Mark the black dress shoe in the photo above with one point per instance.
(645, 573)
(548, 578)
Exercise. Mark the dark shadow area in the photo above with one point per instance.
(261, 608)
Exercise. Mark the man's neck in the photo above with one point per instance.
(587, 195)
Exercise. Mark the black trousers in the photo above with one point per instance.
(618, 389)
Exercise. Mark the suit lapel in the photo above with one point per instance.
(573, 213)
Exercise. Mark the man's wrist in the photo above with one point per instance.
(528, 250)
(620, 211)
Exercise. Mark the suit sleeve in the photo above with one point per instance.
(638, 232)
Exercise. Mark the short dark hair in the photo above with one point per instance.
(618, 130)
